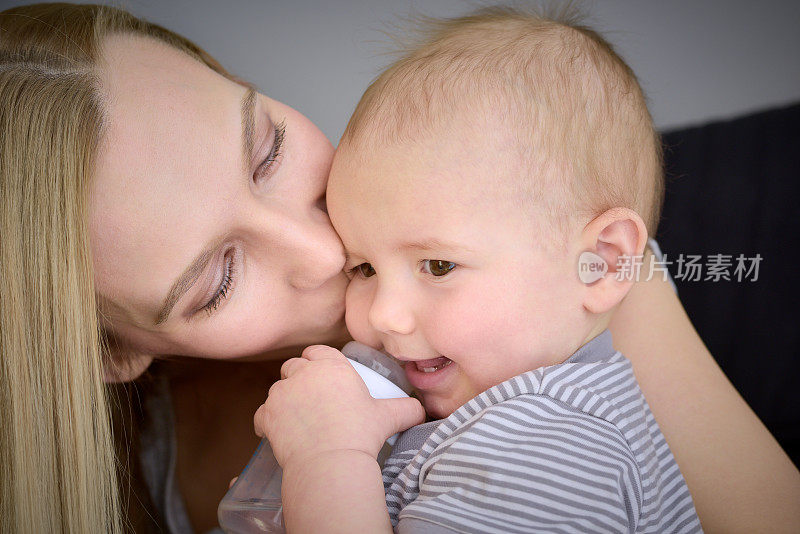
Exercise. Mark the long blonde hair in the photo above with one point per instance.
(57, 461)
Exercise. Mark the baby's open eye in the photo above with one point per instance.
(364, 269)
(439, 267)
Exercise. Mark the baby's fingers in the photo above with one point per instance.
(291, 366)
(402, 413)
(322, 352)
(260, 421)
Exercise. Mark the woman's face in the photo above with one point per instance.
(200, 247)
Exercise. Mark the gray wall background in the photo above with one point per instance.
(697, 60)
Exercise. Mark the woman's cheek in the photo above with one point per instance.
(356, 315)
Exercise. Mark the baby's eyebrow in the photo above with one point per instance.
(431, 243)
(421, 245)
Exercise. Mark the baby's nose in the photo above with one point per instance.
(391, 312)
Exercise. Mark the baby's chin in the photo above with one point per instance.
(439, 408)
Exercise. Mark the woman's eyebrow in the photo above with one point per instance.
(248, 125)
(189, 276)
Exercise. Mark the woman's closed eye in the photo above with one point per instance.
(226, 286)
(268, 166)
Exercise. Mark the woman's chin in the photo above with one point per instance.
(330, 319)
(331, 331)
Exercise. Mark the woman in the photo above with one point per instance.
(153, 205)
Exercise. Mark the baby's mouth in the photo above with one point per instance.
(433, 365)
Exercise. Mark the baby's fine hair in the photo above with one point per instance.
(576, 109)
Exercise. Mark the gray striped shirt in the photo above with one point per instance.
(567, 448)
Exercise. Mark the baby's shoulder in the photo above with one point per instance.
(530, 422)
(538, 450)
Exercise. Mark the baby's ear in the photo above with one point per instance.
(617, 237)
(122, 363)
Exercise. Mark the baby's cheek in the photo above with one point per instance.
(483, 331)
(357, 302)
(467, 322)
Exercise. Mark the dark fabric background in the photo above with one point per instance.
(733, 188)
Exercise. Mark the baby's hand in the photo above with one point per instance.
(322, 405)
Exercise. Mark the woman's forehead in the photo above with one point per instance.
(135, 60)
(161, 101)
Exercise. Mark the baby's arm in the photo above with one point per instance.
(337, 491)
(326, 431)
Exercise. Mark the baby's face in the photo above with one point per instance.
(448, 274)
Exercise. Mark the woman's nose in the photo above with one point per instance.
(391, 310)
(316, 252)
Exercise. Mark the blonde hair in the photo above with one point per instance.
(576, 109)
(58, 467)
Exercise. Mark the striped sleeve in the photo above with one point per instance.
(528, 464)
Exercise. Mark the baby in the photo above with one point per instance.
(473, 175)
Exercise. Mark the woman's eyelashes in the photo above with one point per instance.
(225, 286)
(436, 268)
(267, 167)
